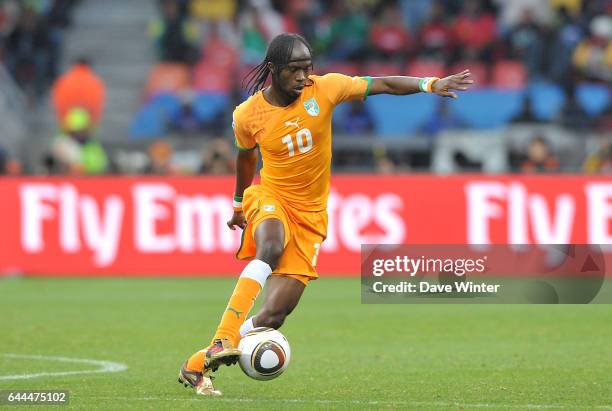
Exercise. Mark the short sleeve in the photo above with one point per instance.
(244, 140)
(340, 87)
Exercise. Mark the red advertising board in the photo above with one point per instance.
(176, 226)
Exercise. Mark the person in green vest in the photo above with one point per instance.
(76, 151)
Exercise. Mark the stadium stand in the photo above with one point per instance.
(547, 100)
(168, 78)
(488, 108)
(509, 75)
(397, 118)
(426, 68)
(562, 78)
(593, 98)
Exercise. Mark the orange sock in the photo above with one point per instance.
(250, 283)
(238, 308)
(196, 361)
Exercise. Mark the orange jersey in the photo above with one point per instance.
(295, 141)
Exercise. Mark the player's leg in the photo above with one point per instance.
(283, 291)
(282, 296)
(270, 242)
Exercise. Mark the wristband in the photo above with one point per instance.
(426, 83)
(237, 203)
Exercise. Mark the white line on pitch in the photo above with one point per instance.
(358, 402)
(103, 366)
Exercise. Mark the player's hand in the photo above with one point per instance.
(238, 219)
(445, 86)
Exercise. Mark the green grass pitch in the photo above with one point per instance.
(345, 355)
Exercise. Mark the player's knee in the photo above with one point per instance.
(271, 320)
(270, 252)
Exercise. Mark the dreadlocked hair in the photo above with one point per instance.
(279, 54)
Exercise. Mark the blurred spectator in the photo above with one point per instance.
(256, 24)
(465, 163)
(383, 164)
(527, 43)
(348, 32)
(388, 36)
(351, 36)
(573, 115)
(160, 156)
(475, 30)
(271, 22)
(218, 158)
(31, 40)
(186, 120)
(27, 53)
(601, 160)
(444, 120)
(573, 7)
(259, 24)
(79, 87)
(539, 158)
(358, 119)
(436, 36)
(593, 56)
(213, 10)
(8, 165)
(9, 15)
(175, 36)
(301, 17)
(415, 13)
(526, 114)
(593, 8)
(568, 34)
(3, 161)
(76, 151)
(512, 13)
(219, 48)
(59, 12)
(58, 19)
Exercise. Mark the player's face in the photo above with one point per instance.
(294, 75)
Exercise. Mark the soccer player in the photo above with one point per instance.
(284, 219)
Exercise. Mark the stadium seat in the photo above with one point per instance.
(341, 111)
(167, 104)
(148, 123)
(396, 116)
(479, 71)
(593, 98)
(487, 108)
(426, 68)
(547, 99)
(211, 78)
(168, 77)
(380, 68)
(509, 74)
(208, 106)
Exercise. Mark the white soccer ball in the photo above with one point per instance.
(265, 353)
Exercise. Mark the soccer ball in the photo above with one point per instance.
(265, 353)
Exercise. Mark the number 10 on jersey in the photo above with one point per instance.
(304, 141)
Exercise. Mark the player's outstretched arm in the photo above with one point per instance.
(402, 85)
(246, 166)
